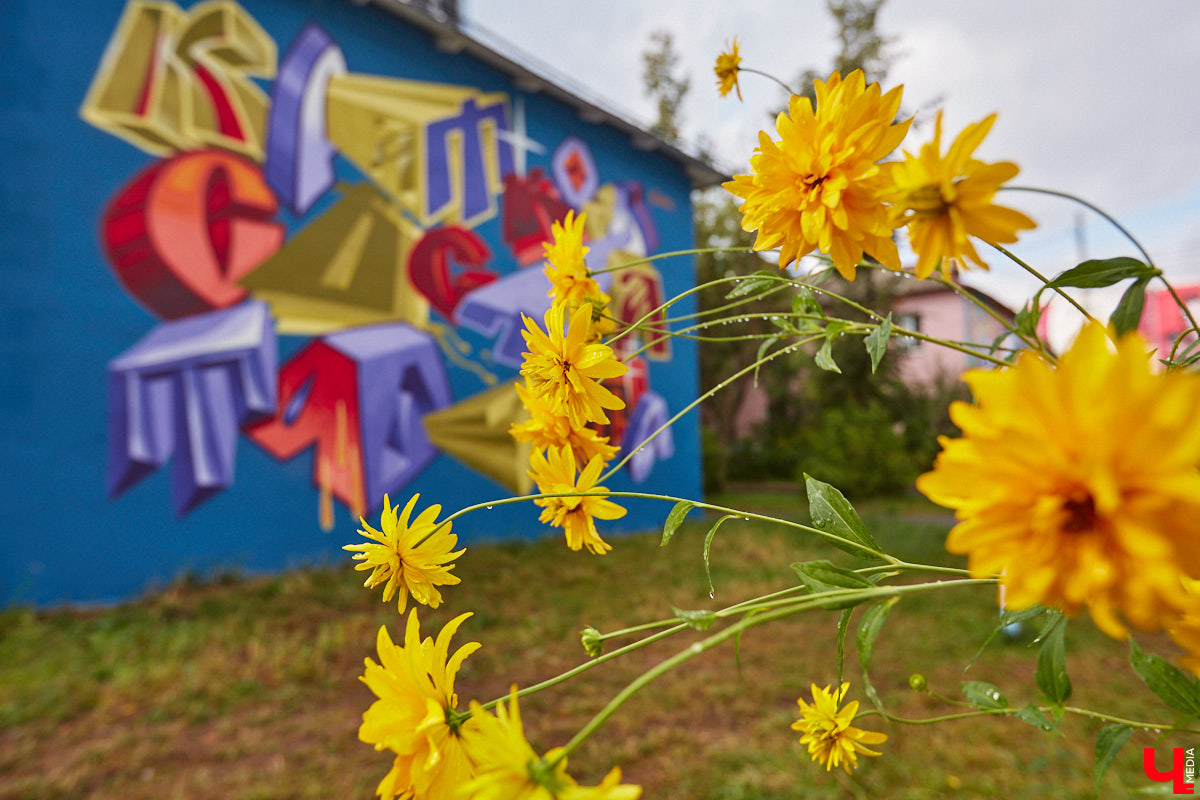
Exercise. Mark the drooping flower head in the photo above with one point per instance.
(546, 429)
(726, 68)
(819, 187)
(415, 715)
(508, 768)
(570, 283)
(945, 200)
(831, 739)
(409, 557)
(1078, 485)
(554, 473)
(566, 368)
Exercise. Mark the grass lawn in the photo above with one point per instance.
(247, 689)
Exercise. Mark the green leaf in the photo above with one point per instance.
(805, 302)
(869, 627)
(675, 519)
(843, 626)
(824, 357)
(832, 513)
(700, 620)
(877, 341)
(1053, 615)
(1027, 318)
(983, 695)
(1102, 272)
(1128, 313)
(707, 546)
(870, 692)
(1171, 684)
(822, 576)
(1109, 742)
(1033, 715)
(755, 284)
(1052, 665)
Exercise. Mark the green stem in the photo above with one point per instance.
(769, 76)
(657, 256)
(1006, 712)
(1044, 281)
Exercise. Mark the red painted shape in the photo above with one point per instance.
(227, 121)
(637, 293)
(182, 233)
(312, 387)
(429, 266)
(576, 170)
(531, 207)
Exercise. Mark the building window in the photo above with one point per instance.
(909, 321)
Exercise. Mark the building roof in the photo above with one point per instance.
(451, 35)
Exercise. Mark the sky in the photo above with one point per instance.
(1098, 98)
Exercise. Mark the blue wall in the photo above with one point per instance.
(73, 531)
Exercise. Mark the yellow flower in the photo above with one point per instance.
(508, 768)
(819, 187)
(1078, 485)
(727, 70)
(546, 429)
(415, 687)
(566, 368)
(570, 283)
(555, 474)
(946, 200)
(1185, 630)
(410, 557)
(830, 737)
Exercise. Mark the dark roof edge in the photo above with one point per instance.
(454, 38)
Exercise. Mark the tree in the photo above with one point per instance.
(660, 82)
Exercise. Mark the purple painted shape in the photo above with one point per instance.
(649, 415)
(495, 310)
(182, 392)
(299, 160)
(401, 378)
(574, 171)
(635, 201)
(476, 193)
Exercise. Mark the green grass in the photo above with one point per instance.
(248, 688)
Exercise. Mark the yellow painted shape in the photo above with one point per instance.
(474, 432)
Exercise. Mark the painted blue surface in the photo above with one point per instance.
(64, 317)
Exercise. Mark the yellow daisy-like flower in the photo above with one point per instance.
(546, 429)
(946, 200)
(570, 283)
(409, 556)
(508, 768)
(566, 368)
(726, 68)
(819, 187)
(1078, 485)
(554, 473)
(415, 687)
(830, 737)
(1185, 630)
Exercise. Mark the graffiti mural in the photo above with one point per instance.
(388, 229)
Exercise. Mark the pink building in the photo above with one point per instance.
(936, 310)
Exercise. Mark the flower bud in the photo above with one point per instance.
(592, 643)
(916, 682)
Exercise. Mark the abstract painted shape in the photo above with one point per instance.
(182, 233)
(636, 292)
(299, 165)
(357, 397)
(531, 207)
(433, 148)
(495, 311)
(574, 171)
(474, 432)
(429, 266)
(612, 227)
(630, 388)
(648, 416)
(181, 393)
(173, 80)
(465, 161)
(347, 267)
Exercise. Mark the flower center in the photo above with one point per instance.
(927, 201)
(1080, 513)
